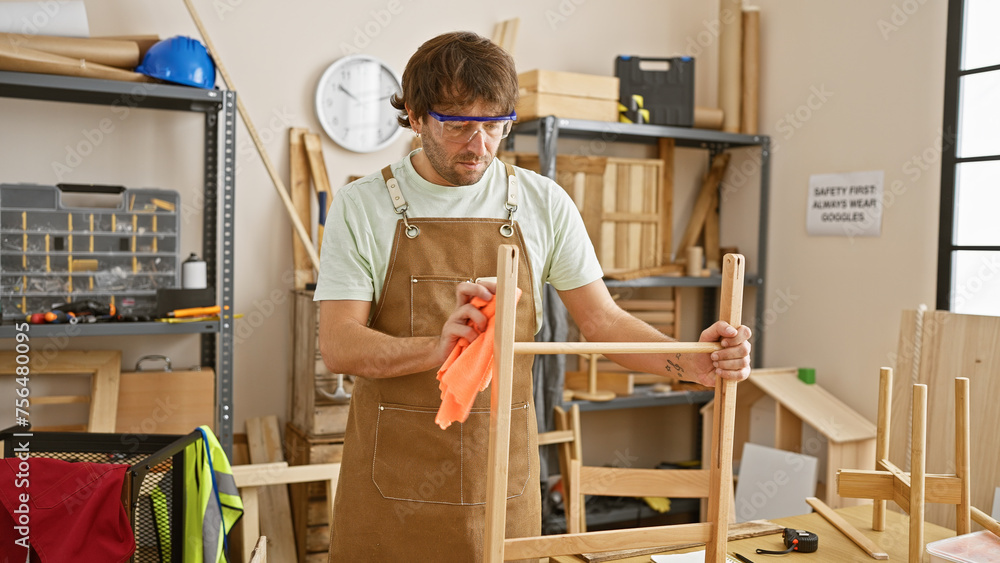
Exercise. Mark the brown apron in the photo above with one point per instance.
(409, 491)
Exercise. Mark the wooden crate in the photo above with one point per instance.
(621, 200)
(567, 94)
(310, 411)
(309, 503)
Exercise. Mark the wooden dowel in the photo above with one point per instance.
(985, 520)
(882, 437)
(963, 446)
(918, 468)
(616, 347)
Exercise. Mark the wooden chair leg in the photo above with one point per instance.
(963, 511)
(918, 470)
(882, 438)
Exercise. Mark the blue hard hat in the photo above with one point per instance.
(179, 59)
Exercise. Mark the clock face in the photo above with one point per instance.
(352, 103)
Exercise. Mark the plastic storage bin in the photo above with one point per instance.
(106, 244)
(977, 547)
(665, 84)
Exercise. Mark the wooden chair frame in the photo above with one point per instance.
(912, 490)
(713, 533)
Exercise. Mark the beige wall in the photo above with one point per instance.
(835, 302)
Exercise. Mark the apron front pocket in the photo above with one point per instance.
(432, 298)
(414, 460)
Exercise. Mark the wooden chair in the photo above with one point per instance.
(718, 477)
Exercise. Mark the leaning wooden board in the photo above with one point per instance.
(264, 440)
(951, 346)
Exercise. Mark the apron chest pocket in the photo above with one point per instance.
(432, 298)
(415, 460)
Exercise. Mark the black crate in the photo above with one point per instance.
(665, 84)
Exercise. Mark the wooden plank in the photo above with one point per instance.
(569, 84)
(301, 196)
(952, 345)
(738, 531)
(750, 70)
(304, 360)
(616, 347)
(626, 482)
(709, 186)
(533, 105)
(713, 254)
(259, 553)
(665, 148)
(264, 441)
(633, 176)
(844, 526)
(568, 544)
(251, 518)
(60, 400)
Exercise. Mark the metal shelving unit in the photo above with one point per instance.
(218, 239)
(550, 129)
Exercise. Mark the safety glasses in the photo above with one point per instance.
(462, 128)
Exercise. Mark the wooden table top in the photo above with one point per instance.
(833, 545)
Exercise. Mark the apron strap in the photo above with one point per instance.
(398, 201)
(507, 230)
(400, 206)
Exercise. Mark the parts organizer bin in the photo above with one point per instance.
(112, 245)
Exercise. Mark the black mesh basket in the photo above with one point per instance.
(154, 484)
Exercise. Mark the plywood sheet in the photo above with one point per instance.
(950, 346)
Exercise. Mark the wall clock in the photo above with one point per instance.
(352, 103)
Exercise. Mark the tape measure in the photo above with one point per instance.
(796, 540)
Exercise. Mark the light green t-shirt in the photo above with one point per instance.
(361, 224)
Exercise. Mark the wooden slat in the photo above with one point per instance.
(963, 447)
(251, 518)
(60, 400)
(720, 502)
(567, 544)
(264, 441)
(844, 526)
(666, 155)
(709, 186)
(883, 485)
(301, 196)
(501, 390)
(627, 482)
(713, 254)
(554, 437)
(741, 530)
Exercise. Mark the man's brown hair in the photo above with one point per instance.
(455, 69)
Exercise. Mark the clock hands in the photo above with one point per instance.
(352, 96)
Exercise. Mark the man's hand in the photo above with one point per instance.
(731, 362)
(457, 326)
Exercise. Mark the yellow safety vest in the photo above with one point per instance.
(212, 505)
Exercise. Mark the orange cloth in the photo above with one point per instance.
(468, 369)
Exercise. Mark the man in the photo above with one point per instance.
(400, 245)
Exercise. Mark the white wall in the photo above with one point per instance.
(836, 302)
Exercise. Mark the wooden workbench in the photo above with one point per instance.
(833, 545)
